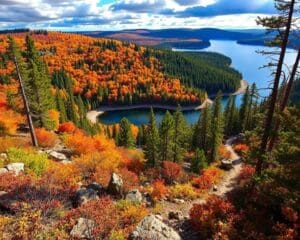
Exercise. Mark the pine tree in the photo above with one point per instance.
(115, 134)
(125, 135)
(38, 86)
(181, 135)
(253, 99)
(231, 120)
(216, 128)
(166, 132)
(60, 107)
(140, 137)
(152, 140)
(244, 110)
(199, 161)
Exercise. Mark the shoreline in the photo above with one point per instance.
(94, 114)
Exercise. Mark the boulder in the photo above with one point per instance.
(98, 188)
(3, 170)
(115, 186)
(134, 196)
(8, 203)
(3, 155)
(57, 156)
(226, 164)
(178, 201)
(15, 168)
(176, 215)
(153, 228)
(83, 195)
(215, 188)
(83, 229)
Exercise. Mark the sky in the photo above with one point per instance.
(99, 15)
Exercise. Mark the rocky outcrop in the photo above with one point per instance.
(151, 227)
(3, 170)
(56, 155)
(15, 168)
(84, 195)
(115, 186)
(134, 196)
(226, 164)
(83, 229)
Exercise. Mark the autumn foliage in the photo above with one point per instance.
(171, 171)
(67, 127)
(159, 189)
(208, 177)
(45, 138)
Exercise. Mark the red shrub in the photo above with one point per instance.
(130, 179)
(209, 177)
(159, 189)
(45, 138)
(171, 171)
(67, 127)
(246, 173)
(241, 149)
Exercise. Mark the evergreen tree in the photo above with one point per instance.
(231, 118)
(140, 137)
(181, 135)
(152, 140)
(216, 128)
(166, 132)
(199, 161)
(250, 113)
(125, 135)
(244, 110)
(115, 134)
(60, 107)
(38, 86)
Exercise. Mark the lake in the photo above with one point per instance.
(244, 58)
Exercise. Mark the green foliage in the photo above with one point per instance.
(125, 138)
(199, 162)
(166, 132)
(36, 163)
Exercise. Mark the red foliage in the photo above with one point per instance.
(45, 138)
(209, 177)
(241, 149)
(246, 173)
(159, 189)
(67, 127)
(171, 171)
(130, 179)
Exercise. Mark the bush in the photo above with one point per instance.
(67, 127)
(130, 179)
(45, 138)
(159, 189)
(209, 177)
(246, 173)
(171, 171)
(185, 191)
(241, 149)
(37, 163)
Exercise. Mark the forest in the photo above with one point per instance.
(232, 175)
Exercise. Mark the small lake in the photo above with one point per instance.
(244, 58)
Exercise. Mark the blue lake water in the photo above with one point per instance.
(244, 58)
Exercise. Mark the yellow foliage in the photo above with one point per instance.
(54, 116)
(185, 191)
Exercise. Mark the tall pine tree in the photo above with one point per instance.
(126, 138)
(166, 132)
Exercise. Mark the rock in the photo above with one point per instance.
(153, 228)
(7, 203)
(66, 162)
(115, 186)
(83, 229)
(2, 193)
(16, 168)
(3, 170)
(98, 188)
(215, 188)
(57, 156)
(134, 196)
(178, 201)
(3, 155)
(175, 215)
(83, 195)
(226, 164)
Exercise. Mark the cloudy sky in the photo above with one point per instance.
(75, 15)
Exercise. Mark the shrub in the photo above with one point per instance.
(134, 160)
(67, 127)
(130, 179)
(9, 121)
(185, 191)
(246, 173)
(241, 149)
(87, 164)
(35, 162)
(45, 138)
(54, 117)
(211, 218)
(171, 171)
(209, 177)
(80, 143)
(159, 189)
(9, 142)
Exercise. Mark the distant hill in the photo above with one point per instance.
(188, 38)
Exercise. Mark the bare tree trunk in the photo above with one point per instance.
(274, 94)
(284, 101)
(26, 105)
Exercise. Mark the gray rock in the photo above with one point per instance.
(215, 188)
(7, 203)
(66, 162)
(178, 201)
(115, 186)
(83, 229)
(3, 155)
(98, 188)
(15, 168)
(57, 156)
(3, 170)
(134, 196)
(175, 215)
(153, 228)
(84, 195)
(226, 164)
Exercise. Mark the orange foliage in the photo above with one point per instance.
(133, 159)
(171, 171)
(54, 116)
(159, 189)
(209, 177)
(67, 127)
(130, 179)
(9, 121)
(241, 149)
(45, 138)
(224, 153)
(80, 143)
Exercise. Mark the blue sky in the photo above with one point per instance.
(75, 15)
